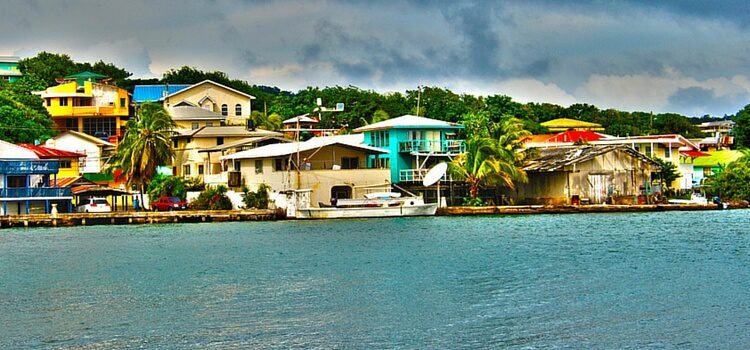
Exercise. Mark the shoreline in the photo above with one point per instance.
(198, 216)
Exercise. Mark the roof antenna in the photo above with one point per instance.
(419, 96)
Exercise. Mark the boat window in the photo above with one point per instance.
(341, 192)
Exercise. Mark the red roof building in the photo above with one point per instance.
(51, 153)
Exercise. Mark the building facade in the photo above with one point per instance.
(88, 103)
(414, 143)
(9, 70)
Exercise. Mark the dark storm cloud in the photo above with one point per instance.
(627, 53)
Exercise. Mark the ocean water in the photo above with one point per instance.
(627, 281)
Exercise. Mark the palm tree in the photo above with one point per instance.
(486, 163)
(511, 139)
(145, 146)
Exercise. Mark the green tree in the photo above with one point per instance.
(733, 182)
(23, 118)
(485, 163)
(145, 146)
(742, 127)
(48, 66)
(257, 199)
(667, 174)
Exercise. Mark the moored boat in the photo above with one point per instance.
(384, 204)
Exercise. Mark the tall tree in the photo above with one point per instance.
(23, 118)
(145, 146)
(485, 163)
(742, 127)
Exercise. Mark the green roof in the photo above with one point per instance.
(717, 157)
(85, 76)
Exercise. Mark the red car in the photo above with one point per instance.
(169, 203)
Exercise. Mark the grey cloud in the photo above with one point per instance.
(699, 101)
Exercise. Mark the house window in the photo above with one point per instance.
(174, 143)
(349, 162)
(238, 109)
(122, 102)
(71, 124)
(259, 166)
(186, 170)
(200, 169)
(100, 127)
(380, 138)
(16, 181)
(63, 101)
(65, 164)
(209, 123)
(648, 151)
(224, 109)
(667, 153)
(279, 164)
(195, 125)
(219, 141)
(384, 163)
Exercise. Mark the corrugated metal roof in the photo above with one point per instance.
(51, 153)
(409, 121)
(557, 158)
(717, 157)
(150, 93)
(302, 119)
(283, 149)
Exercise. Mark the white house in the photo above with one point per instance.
(97, 151)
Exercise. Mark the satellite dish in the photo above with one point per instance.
(435, 174)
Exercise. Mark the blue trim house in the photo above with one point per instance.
(26, 182)
(415, 144)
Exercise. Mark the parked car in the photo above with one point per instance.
(169, 203)
(94, 205)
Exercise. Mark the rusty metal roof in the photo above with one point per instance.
(557, 158)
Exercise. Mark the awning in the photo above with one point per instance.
(694, 154)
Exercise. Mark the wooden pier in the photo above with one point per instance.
(135, 217)
(571, 209)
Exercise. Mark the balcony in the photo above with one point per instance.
(28, 167)
(433, 146)
(34, 192)
(93, 110)
(417, 175)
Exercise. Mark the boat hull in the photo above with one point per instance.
(367, 212)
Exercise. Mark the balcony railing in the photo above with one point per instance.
(416, 175)
(93, 110)
(27, 167)
(34, 192)
(427, 146)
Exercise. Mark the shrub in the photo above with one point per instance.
(212, 198)
(164, 185)
(258, 199)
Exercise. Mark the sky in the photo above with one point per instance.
(684, 56)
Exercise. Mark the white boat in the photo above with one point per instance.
(376, 207)
(695, 198)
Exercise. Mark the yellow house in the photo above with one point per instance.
(198, 151)
(233, 105)
(86, 102)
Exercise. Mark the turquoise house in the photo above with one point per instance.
(415, 145)
(9, 68)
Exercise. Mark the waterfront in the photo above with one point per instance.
(627, 280)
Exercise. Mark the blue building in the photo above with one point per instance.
(415, 145)
(28, 182)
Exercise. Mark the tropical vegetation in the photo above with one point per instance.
(257, 199)
(167, 185)
(145, 146)
(212, 198)
(732, 182)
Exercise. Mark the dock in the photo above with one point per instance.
(572, 209)
(135, 217)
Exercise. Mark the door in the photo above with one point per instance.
(598, 185)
